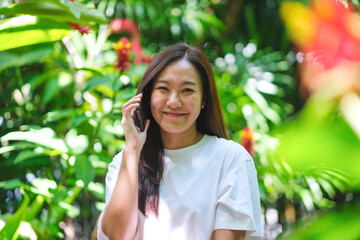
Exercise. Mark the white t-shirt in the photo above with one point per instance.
(207, 186)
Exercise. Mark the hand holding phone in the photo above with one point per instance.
(139, 121)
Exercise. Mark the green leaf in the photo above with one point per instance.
(24, 155)
(65, 4)
(59, 114)
(262, 104)
(77, 143)
(70, 210)
(98, 189)
(94, 71)
(321, 138)
(12, 225)
(72, 194)
(34, 54)
(44, 137)
(84, 170)
(79, 119)
(42, 185)
(51, 89)
(7, 149)
(56, 12)
(340, 224)
(17, 146)
(11, 40)
(28, 22)
(97, 82)
(11, 184)
(34, 208)
(16, 22)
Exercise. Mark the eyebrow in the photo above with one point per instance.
(184, 83)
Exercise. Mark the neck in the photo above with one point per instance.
(180, 140)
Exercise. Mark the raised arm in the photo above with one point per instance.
(120, 216)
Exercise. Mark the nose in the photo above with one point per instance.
(174, 100)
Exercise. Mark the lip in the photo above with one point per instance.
(174, 114)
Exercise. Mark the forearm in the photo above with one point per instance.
(226, 234)
(120, 216)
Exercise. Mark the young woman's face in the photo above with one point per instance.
(177, 97)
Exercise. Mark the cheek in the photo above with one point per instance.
(155, 103)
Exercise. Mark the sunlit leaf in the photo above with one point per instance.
(55, 12)
(16, 22)
(262, 104)
(59, 114)
(100, 206)
(70, 210)
(42, 186)
(77, 143)
(11, 40)
(98, 189)
(44, 137)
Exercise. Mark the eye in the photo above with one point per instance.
(162, 88)
(188, 90)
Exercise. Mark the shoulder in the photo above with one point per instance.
(113, 167)
(229, 148)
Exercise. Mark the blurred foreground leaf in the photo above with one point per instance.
(340, 224)
(321, 138)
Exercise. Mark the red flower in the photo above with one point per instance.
(247, 140)
(121, 25)
(80, 28)
(126, 25)
(327, 31)
(123, 50)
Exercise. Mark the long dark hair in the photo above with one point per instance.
(210, 120)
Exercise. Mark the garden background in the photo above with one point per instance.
(288, 76)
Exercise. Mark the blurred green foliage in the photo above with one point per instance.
(61, 98)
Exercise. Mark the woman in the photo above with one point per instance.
(179, 178)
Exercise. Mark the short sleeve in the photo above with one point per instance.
(110, 181)
(238, 202)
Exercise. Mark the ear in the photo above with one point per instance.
(203, 103)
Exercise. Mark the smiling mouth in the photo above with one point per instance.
(174, 114)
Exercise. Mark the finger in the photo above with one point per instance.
(147, 124)
(135, 99)
(127, 111)
(133, 112)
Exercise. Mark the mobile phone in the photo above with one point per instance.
(139, 120)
